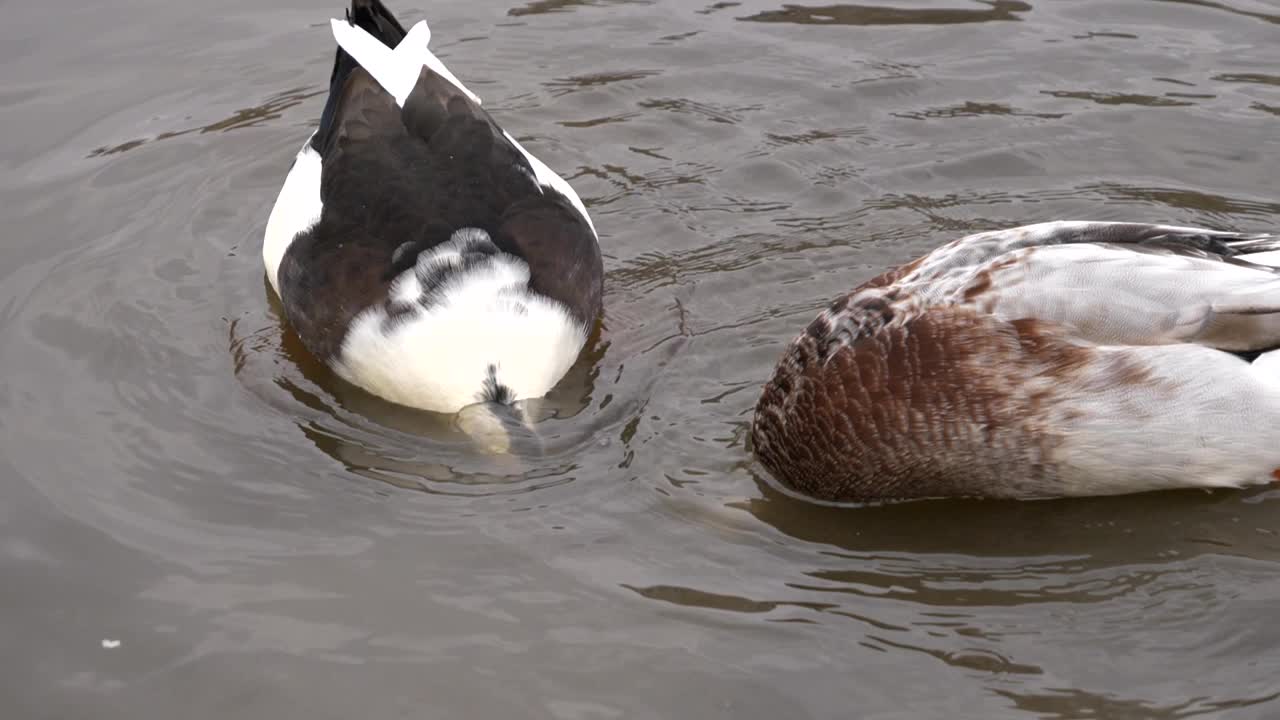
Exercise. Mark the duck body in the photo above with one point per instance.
(1060, 359)
(416, 247)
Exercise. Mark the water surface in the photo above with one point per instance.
(177, 476)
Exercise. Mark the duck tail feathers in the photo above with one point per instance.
(396, 68)
(1259, 249)
(374, 18)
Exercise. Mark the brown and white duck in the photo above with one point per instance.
(1058, 359)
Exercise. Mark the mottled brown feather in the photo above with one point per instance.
(937, 405)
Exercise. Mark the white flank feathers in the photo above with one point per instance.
(297, 210)
(1267, 366)
(1206, 419)
(1271, 258)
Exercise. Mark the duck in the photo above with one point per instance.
(417, 248)
(1060, 359)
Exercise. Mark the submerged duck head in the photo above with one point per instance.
(417, 248)
(1060, 359)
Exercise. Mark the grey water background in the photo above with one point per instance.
(177, 476)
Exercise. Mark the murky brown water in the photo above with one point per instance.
(176, 475)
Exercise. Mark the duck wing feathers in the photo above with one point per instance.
(1114, 283)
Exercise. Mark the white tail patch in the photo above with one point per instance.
(395, 70)
(438, 356)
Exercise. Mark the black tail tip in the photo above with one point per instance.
(494, 391)
(377, 20)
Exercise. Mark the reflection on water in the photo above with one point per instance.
(1052, 528)
(1231, 8)
(1257, 78)
(178, 474)
(1062, 704)
(272, 109)
(404, 447)
(846, 14)
(970, 108)
(539, 7)
(1120, 98)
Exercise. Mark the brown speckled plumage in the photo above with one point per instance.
(933, 379)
